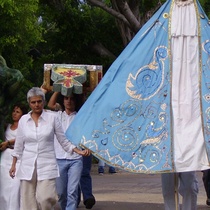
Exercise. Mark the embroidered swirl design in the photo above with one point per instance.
(126, 112)
(125, 139)
(148, 79)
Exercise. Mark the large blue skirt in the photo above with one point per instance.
(128, 121)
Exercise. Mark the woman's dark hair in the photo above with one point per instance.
(22, 107)
(78, 101)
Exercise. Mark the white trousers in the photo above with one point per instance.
(187, 186)
(36, 194)
(9, 188)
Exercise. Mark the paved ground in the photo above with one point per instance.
(126, 191)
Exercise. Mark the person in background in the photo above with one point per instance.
(66, 110)
(206, 183)
(187, 187)
(10, 188)
(101, 166)
(70, 165)
(85, 186)
(34, 146)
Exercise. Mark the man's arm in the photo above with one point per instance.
(52, 104)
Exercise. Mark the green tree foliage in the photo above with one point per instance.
(20, 31)
(78, 33)
(85, 33)
(81, 32)
(131, 15)
(19, 28)
(206, 6)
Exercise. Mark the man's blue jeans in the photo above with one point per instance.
(68, 182)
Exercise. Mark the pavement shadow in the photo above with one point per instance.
(111, 205)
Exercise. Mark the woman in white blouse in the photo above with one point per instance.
(10, 188)
(35, 148)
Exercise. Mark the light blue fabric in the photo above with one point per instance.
(127, 121)
(67, 184)
(205, 75)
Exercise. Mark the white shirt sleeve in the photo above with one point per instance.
(60, 135)
(19, 141)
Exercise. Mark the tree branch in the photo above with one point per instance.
(110, 11)
(99, 49)
(129, 15)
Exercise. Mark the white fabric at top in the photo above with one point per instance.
(36, 144)
(184, 21)
(9, 188)
(183, 3)
(66, 120)
(189, 148)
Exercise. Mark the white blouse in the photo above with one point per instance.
(36, 145)
(9, 188)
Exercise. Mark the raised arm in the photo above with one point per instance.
(52, 104)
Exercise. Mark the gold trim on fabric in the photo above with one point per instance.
(165, 15)
(170, 65)
(121, 167)
(200, 71)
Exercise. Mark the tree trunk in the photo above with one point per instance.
(99, 49)
(127, 15)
